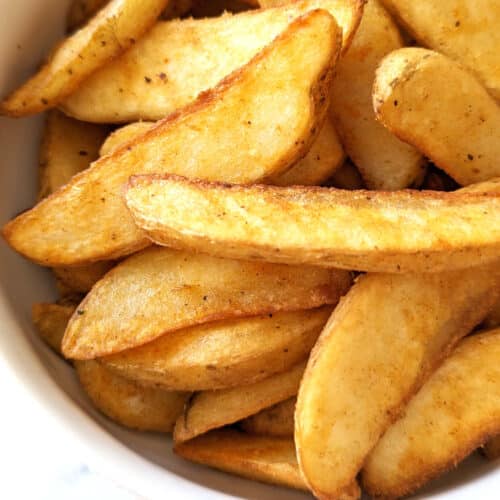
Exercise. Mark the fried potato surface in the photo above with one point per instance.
(275, 105)
(81, 11)
(372, 356)
(212, 409)
(492, 448)
(122, 135)
(274, 421)
(493, 318)
(50, 321)
(81, 279)
(346, 177)
(113, 30)
(363, 230)
(452, 414)
(169, 67)
(223, 354)
(261, 458)
(161, 290)
(465, 30)
(68, 147)
(384, 161)
(433, 103)
(128, 403)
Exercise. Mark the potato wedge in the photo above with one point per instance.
(113, 30)
(128, 403)
(223, 354)
(275, 421)
(81, 11)
(169, 67)
(465, 30)
(372, 356)
(492, 448)
(161, 290)
(209, 410)
(278, 102)
(346, 177)
(50, 321)
(362, 230)
(122, 135)
(266, 459)
(385, 162)
(493, 318)
(68, 147)
(434, 104)
(81, 279)
(453, 413)
(325, 156)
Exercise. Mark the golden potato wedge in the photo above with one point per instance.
(492, 448)
(81, 279)
(456, 410)
(128, 403)
(276, 420)
(278, 102)
(169, 67)
(113, 30)
(362, 230)
(81, 11)
(493, 318)
(372, 356)
(50, 321)
(266, 459)
(436, 105)
(209, 410)
(325, 156)
(346, 177)
(122, 135)
(223, 354)
(384, 161)
(161, 290)
(465, 30)
(68, 147)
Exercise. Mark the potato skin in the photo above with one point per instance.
(276, 420)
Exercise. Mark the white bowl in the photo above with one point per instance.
(139, 461)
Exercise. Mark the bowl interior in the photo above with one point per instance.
(141, 461)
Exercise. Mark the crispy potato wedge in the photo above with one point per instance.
(81, 279)
(128, 403)
(122, 135)
(113, 30)
(223, 354)
(161, 290)
(372, 356)
(266, 459)
(362, 230)
(465, 30)
(325, 156)
(492, 448)
(493, 318)
(209, 410)
(50, 321)
(68, 147)
(169, 67)
(81, 11)
(433, 103)
(452, 414)
(276, 420)
(384, 161)
(346, 177)
(278, 102)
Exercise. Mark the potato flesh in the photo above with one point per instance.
(114, 29)
(456, 410)
(212, 409)
(270, 460)
(161, 290)
(223, 354)
(275, 421)
(404, 231)
(385, 162)
(372, 356)
(122, 135)
(465, 30)
(434, 104)
(177, 60)
(278, 102)
(126, 402)
(50, 321)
